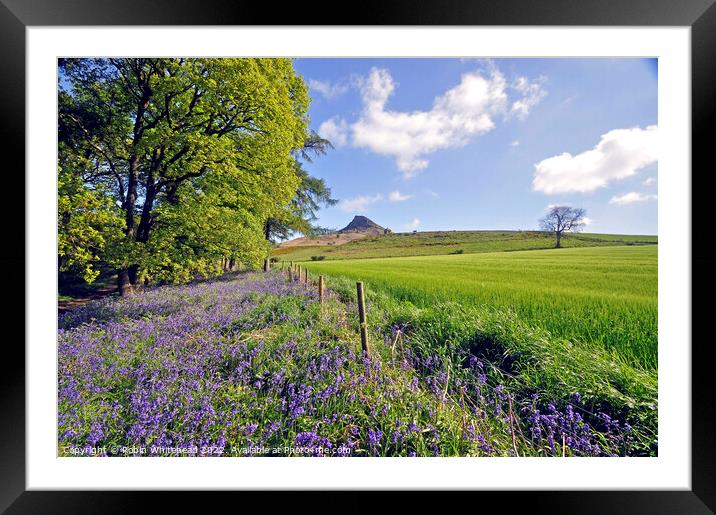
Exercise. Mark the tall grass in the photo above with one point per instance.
(527, 360)
(605, 296)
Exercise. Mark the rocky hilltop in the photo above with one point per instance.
(360, 227)
(362, 224)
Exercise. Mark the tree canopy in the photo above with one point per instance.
(169, 166)
(312, 193)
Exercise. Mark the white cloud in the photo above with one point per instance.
(649, 181)
(327, 89)
(620, 153)
(396, 196)
(431, 192)
(532, 92)
(413, 225)
(515, 143)
(587, 221)
(358, 204)
(568, 100)
(466, 110)
(334, 130)
(631, 198)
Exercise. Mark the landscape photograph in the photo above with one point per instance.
(357, 257)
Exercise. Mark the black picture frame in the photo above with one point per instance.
(16, 15)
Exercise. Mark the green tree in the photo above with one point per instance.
(197, 153)
(88, 223)
(312, 193)
(299, 215)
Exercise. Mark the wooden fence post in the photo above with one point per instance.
(290, 277)
(267, 265)
(362, 319)
(320, 289)
(305, 275)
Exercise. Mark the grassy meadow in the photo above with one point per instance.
(560, 321)
(452, 242)
(605, 295)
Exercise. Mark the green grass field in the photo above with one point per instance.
(448, 242)
(604, 295)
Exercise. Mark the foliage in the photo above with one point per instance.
(299, 216)
(88, 223)
(312, 193)
(197, 152)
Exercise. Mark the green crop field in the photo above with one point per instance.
(605, 295)
(452, 242)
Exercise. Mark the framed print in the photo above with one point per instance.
(446, 248)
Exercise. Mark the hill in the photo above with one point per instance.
(366, 245)
(358, 228)
(362, 224)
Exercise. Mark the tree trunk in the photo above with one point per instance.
(131, 199)
(128, 276)
(232, 263)
(123, 283)
(133, 273)
(150, 195)
(559, 240)
(145, 222)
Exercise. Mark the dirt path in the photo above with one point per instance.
(63, 306)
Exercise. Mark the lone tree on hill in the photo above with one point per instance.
(561, 219)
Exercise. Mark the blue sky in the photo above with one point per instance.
(441, 144)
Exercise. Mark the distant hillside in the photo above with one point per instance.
(366, 245)
(362, 224)
(360, 227)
